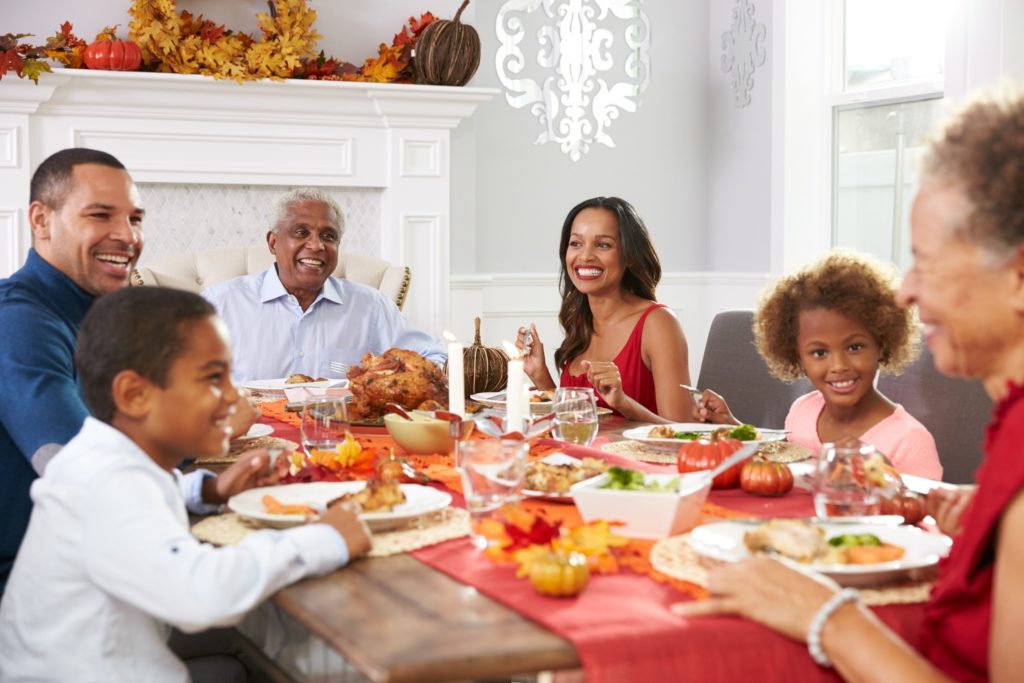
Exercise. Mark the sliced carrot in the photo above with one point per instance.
(873, 554)
(275, 507)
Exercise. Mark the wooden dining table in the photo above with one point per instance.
(395, 619)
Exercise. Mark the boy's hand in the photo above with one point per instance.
(251, 470)
(345, 520)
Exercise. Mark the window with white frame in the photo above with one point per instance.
(887, 99)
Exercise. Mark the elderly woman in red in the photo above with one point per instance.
(967, 232)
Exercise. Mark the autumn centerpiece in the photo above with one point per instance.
(485, 368)
(448, 52)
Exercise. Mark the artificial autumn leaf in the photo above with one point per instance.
(211, 32)
(540, 532)
(426, 19)
(10, 60)
(108, 33)
(65, 47)
(33, 68)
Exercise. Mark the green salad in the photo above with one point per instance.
(633, 480)
(854, 540)
(742, 432)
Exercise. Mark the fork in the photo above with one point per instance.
(697, 393)
(338, 367)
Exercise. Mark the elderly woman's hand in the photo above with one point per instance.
(769, 591)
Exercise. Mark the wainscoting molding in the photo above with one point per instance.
(507, 301)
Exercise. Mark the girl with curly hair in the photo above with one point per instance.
(838, 323)
(618, 339)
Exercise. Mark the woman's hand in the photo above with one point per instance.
(712, 408)
(947, 506)
(766, 590)
(607, 382)
(247, 411)
(534, 364)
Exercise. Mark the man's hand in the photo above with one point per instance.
(345, 520)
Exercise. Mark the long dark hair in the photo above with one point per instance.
(643, 271)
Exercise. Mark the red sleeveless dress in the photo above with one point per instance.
(958, 617)
(637, 380)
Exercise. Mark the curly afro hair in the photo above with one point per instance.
(982, 150)
(848, 283)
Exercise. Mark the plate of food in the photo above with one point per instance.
(551, 477)
(854, 554)
(675, 434)
(295, 380)
(385, 505)
(256, 431)
(540, 400)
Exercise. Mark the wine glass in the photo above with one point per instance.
(324, 425)
(575, 411)
(842, 487)
(492, 475)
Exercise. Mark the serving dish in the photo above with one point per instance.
(644, 514)
(723, 541)
(555, 496)
(419, 500)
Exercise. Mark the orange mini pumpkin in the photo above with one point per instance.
(113, 55)
(764, 478)
(559, 574)
(912, 506)
(704, 454)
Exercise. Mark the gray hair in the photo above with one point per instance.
(306, 194)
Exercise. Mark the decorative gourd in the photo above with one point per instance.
(447, 52)
(764, 478)
(912, 506)
(704, 454)
(559, 574)
(484, 368)
(113, 55)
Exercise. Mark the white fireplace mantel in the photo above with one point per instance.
(169, 128)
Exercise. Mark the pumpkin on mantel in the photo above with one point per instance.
(447, 52)
(484, 368)
(113, 55)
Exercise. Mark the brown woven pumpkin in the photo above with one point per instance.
(447, 52)
(484, 368)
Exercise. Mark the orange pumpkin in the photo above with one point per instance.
(912, 506)
(764, 478)
(559, 574)
(113, 55)
(704, 454)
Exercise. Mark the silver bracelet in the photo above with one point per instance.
(821, 617)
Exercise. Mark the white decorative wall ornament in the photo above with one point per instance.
(743, 51)
(574, 103)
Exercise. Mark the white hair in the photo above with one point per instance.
(306, 194)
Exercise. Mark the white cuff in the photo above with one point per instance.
(822, 616)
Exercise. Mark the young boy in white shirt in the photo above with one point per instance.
(108, 564)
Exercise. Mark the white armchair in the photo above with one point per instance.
(196, 270)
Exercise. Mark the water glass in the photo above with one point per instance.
(841, 487)
(575, 411)
(492, 475)
(324, 424)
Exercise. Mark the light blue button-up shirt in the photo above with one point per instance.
(272, 337)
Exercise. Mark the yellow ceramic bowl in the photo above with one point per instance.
(424, 434)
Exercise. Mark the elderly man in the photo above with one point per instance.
(295, 317)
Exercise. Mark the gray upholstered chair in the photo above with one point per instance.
(733, 368)
(195, 270)
(954, 410)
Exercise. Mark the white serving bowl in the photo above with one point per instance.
(645, 514)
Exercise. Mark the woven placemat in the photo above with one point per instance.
(637, 450)
(674, 557)
(444, 525)
(239, 447)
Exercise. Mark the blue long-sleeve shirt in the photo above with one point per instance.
(41, 407)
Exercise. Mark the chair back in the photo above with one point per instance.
(194, 271)
(733, 368)
(954, 410)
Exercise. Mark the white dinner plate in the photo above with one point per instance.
(419, 500)
(723, 541)
(280, 385)
(496, 399)
(566, 497)
(256, 431)
(640, 433)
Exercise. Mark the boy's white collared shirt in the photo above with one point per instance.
(108, 562)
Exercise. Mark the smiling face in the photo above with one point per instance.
(306, 248)
(594, 258)
(95, 236)
(839, 356)
(964, 300)
(190, 416)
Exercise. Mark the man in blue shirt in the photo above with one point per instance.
(86, 221)
(296, 318)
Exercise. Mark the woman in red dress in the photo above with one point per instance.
(618, 339)
(967, 232)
